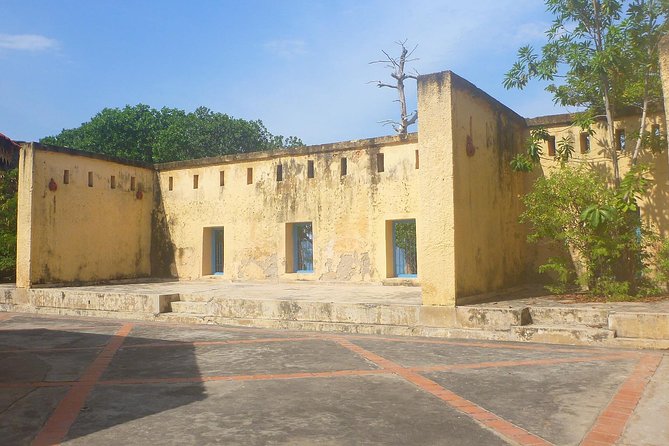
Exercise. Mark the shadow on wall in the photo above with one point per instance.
(52, 356)
(162, 248)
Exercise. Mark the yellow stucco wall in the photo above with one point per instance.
(664, 71)
(437, 223)
(469, 207)
(653, 206)
(490, 243)
(348, 213)
(79, 233)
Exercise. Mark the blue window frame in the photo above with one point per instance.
(303, 248)
(217, 251)
(405, 259)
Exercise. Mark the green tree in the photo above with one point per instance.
(142, 133)
(8, 207)
(601, 57)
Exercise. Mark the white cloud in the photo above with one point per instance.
(26, 42)
(286, 48)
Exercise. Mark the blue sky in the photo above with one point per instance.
(299, 66)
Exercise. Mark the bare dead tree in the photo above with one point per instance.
(397, 65)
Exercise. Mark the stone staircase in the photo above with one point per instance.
(295, 314)
(598, 325)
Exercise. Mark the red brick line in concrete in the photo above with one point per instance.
(58, 328)
(5, 316)
(520, 363)
(174, 344)
(203, 343)
(482, 416)
(18, 351)
(500, 345)
(31, 384)
(56, 427)
(262, 377)
(610, 424)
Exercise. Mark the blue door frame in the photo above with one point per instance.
(303, 247)
(217, 251)
(401, 267)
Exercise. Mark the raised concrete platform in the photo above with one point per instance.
(369, 309)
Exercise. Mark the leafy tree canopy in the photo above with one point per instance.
(602, 57)
(142, 133)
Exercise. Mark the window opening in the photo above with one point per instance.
(405, 259)
(217, 251)
(380, 162)
(585, 142)
(310, 169)
(620, 139)
(551, 145)
(303, 249)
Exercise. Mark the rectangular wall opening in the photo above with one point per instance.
(417, 160)
(221, 178)
(585, 142)
(170, 183)
(213, 245)
(249, 175)
(343, 167)
(401, 250)
(620, 139)
(66, 177)
(90, 179)
(380, 167)
(551, 145)
(299, 248)
(133, 183)
(196, 181)
(655, 131)
(279, 172)
(112, 182)
(310, 169)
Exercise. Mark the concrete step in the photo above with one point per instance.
(569, 316)
(491, 317)
(640, 325)
(190, 307)
(306, 311)
(198, 297)
(338, 327)
(555, 334)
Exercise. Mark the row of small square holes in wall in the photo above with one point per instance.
(112, 180)
(584, 140)
(380, 167)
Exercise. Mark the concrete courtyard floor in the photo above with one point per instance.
(91, 381)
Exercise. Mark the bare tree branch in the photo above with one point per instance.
(397, 65)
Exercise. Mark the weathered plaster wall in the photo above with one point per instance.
(471, 238)
(653, 206)
(664, 71)
(78, 233)
(348, 213)
(436, 226)
(490, 243)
